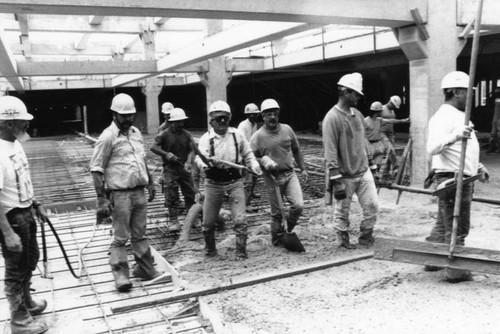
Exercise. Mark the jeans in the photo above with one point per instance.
(185, 180)
(289, 187)
(129, 222)
(214, 195)
(364, 187)
(441, 231)
(19, 265)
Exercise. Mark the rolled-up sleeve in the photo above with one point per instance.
(102, 152)
(203, 146)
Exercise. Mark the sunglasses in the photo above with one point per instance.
(219, 119)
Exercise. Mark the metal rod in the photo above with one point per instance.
(468, 107)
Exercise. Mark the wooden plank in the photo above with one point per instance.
(427, 253)
(245, 282)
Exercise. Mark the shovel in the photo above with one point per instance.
(290, 239)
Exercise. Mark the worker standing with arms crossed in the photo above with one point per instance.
(348, 163)
(17, 224)
(118, 167)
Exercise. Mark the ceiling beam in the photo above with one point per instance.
(466, 12)
(24, 38)
(386, 13)
(229, 40)
(64, 68)
(8, 65)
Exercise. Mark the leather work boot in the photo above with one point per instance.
(366, 238)
(33, 307)
(241, 246)
(122, 281)
(277, 232)
(344, 240)
(144, 268)
(22, 324)
(210, 250)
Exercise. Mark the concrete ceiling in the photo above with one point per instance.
(61, 44)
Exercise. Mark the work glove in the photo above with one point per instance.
(268, 164)
(13, 241)
(461, 132)
(215, 161)
(151, 191)
(255, 169)
(304, 175)
(485, 177)
(338, 189)
(171, 157)
(40, 213)
(103, 209)
(187, 167)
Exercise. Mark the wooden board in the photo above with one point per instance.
(427, 253)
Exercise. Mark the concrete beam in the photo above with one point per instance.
(8, 66)
(49, 68)
(385, 13)
(233, 39)
(24, 37)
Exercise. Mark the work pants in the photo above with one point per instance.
(364, 187)
(214, 195)
(20, 265)
(442, 230)
(183, 178)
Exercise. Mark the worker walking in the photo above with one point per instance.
(176, 148)
(18, 207)
(348, 162)
(118, 167)
(446, 130)
(276, 147)
(248, 127)
(224, 143)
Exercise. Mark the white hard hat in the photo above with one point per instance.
(12, 108)
(123, 104)
(352, 81)
(455, 79)
(219, 106)
(177, 114)
(376, 106)
(166, 108)
(251, 108)
(269, 104)
(396, 101)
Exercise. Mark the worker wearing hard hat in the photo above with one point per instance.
(166, 109)
(379, 143)
(248, 127)
(17, 222)
(119, 168)
(222, 150)
(446, 131)
(389, 112)
(348, 162)
(276, 147)
(176, 148)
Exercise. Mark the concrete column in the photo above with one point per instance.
(430, 60)
(151, 90)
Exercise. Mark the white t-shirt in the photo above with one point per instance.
(16, 189)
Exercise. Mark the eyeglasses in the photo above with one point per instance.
(219, 119)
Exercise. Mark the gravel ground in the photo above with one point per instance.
(368, 296)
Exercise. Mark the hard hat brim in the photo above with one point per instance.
(178, 119)
(25, 117)
(123, 112)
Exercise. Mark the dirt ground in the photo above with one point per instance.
(369, 296)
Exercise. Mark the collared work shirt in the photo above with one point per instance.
(120, 157)
(225, 148)
(443, 127)
(16, 189)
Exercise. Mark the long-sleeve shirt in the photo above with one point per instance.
(121, 158)
(281, 145)
(344, 143)
(225, 148)
(443, 128)
(247, 128)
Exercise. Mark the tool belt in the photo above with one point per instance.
(222, 174)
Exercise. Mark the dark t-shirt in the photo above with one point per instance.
(180, 144)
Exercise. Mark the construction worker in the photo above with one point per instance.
(276, 146)
(119, 168)
(379, 143)
(166, 108)
(248, 127)
(389, 112)
(446, 130)
(224, 143)
(495, 124)
(348, 162)
(176, 148)
(17, 223)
